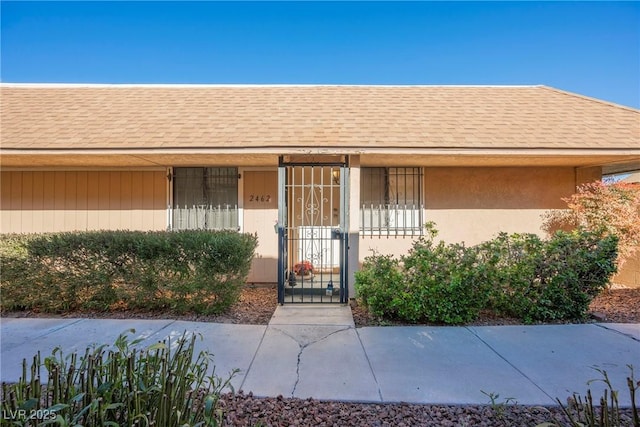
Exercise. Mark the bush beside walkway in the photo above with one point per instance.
(185, 271)
(519, 276)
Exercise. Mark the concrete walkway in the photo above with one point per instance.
(311, 351)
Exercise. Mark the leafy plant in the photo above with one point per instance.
(605, 209)
(499, 406)
(448, 283)
(122, 386)
(183, 271)
(380, 284)
(554, 279)
(518, 275)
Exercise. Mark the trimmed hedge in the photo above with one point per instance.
(518, 275)
(183, 271)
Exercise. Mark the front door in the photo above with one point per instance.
(312, 239)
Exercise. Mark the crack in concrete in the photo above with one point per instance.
(302, 346)
(496, 352)
(295, 385)
(606, 328)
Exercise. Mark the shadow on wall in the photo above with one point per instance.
(38, 201)
(498, 188)
(629, 274)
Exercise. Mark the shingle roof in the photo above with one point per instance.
(193, 116)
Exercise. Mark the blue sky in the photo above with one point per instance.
(591, 48)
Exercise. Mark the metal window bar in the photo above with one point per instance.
(205, 217)
(391, 220)
(391, 201)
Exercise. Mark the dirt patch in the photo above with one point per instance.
(618, 305)
(255, 307)
(257, 304)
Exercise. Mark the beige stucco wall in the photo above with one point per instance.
(42, 201)
(629, 274)
(382, 245)
(474, 204)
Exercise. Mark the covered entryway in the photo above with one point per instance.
(312, 224)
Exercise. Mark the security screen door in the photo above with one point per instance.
(312, 249)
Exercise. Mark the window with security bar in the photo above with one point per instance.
(205, 198)
(391, 201)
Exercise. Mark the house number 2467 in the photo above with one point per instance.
(260, 198)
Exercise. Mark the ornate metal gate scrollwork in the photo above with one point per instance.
(312, 242)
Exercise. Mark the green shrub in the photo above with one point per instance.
(183, 271)
(518, 275)
(575, 267)
(449, 283)
(435, 282)
(554, 279)
(161, 385)
(380, 285)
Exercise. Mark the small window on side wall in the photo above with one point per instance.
(391, 201)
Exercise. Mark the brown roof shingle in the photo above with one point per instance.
(192, 116)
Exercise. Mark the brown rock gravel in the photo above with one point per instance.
(245, 410)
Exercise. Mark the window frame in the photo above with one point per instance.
(218, 207)
(392, 215)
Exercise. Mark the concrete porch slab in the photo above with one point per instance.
(313, 314)
(324, 362)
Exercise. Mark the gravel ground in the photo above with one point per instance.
(246, 410)
(256, 306)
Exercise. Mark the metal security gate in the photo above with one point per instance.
(312, 237)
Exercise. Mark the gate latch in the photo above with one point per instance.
(336, 234)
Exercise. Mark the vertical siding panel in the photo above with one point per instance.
(103, 200)
(147, 201)
(125, 200)
(5, 202)
(70, 201)
(114, 201)
(48, 201)
(27, 202)
(59, 200)
(93, 200)
(137, 200)
(81, 200)
(16, 202)
(160, 200)
(37, 200)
